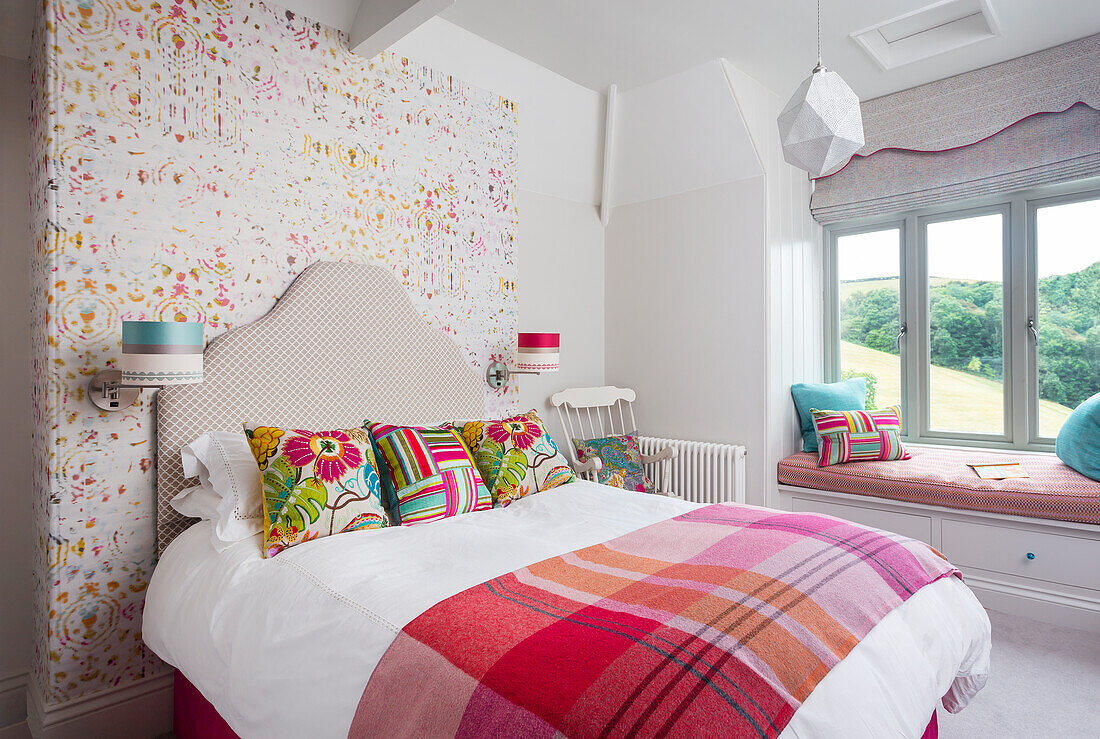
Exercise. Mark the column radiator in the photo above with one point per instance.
(701, 472)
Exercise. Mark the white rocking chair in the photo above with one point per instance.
(595, 404)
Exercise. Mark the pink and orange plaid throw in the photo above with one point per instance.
(718, 622)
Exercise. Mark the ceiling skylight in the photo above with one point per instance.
(934, 29)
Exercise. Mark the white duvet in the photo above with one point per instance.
(283, 647)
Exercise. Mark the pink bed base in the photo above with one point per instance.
(195, 718)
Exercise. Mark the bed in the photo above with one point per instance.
(292, 645)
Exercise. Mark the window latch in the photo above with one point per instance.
(1033, 330)
(901, 334)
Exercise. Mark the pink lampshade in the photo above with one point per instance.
(538, 353)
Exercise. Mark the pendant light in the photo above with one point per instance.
(821, 127)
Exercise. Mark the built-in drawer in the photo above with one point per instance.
(1069, 560)
(906, 524)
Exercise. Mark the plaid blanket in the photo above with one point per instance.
(717, 622)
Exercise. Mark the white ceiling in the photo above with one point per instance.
(336, 13)
(633, 42)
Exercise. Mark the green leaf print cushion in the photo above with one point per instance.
(516, 456)
(315, 483)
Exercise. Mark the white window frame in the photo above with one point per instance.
(832, 300)
(924, 336)
(1020, 376)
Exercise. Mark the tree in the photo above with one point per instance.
(967, 320)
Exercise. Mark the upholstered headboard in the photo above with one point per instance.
(343, 344)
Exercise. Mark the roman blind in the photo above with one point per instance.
(1026, 122)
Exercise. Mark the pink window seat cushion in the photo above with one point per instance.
(940, 477)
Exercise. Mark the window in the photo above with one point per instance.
(964, 286)
(1067, 257)
(982, 323)
(868, 267)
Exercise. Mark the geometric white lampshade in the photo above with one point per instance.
(161, 353)
(821, 127)
(538, 353)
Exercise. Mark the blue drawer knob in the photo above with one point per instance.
(1031, 555)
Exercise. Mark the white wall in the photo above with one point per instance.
(678, 134)
(685, 300)
(561, 267)
(16, 533)
(793, 274)
(685, 316)
(560, 122)
(561, 239)
(713, 267)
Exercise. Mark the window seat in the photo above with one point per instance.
(940, 477)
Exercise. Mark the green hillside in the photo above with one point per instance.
(966, 325)
(970, 403)
(850, 287)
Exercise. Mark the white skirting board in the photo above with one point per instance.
(138, 710)
(1036, 604)
(13, 699)
(15, 731)
(1058, 583)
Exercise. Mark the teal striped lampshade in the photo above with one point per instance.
(161, 353)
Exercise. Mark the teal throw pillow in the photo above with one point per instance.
(1078, 443)
(848, 395)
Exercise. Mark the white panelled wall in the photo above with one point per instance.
(685, 316)
(713, 279)
(793, 273)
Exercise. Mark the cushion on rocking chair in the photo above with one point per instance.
(622, 461)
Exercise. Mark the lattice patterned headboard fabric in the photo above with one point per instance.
(343, 344)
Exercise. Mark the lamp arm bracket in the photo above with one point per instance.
(497, 374)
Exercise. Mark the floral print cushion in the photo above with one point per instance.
(315, 483)
(622, 462)
(516, 456)
(431, 473)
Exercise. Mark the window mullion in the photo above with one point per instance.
(914, 379)
(1016, 333)
(832, 310)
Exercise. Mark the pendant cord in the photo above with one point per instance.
(819, 33)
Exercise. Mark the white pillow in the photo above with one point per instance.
(224, 464)
(198, 502)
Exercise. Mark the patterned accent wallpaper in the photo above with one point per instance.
(192, 157)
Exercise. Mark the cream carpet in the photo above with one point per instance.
(1044, 681)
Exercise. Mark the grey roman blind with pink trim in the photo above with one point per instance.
(1023, 123)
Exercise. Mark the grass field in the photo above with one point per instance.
(962, 402)
(889, 283)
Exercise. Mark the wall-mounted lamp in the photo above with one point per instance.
(537, 353)
(154, 354)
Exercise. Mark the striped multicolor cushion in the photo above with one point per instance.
(432, 474)
(858, 436)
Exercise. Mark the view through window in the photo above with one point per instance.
(869, 272)
(968, 330)
(1067, 259)
(965, 324)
